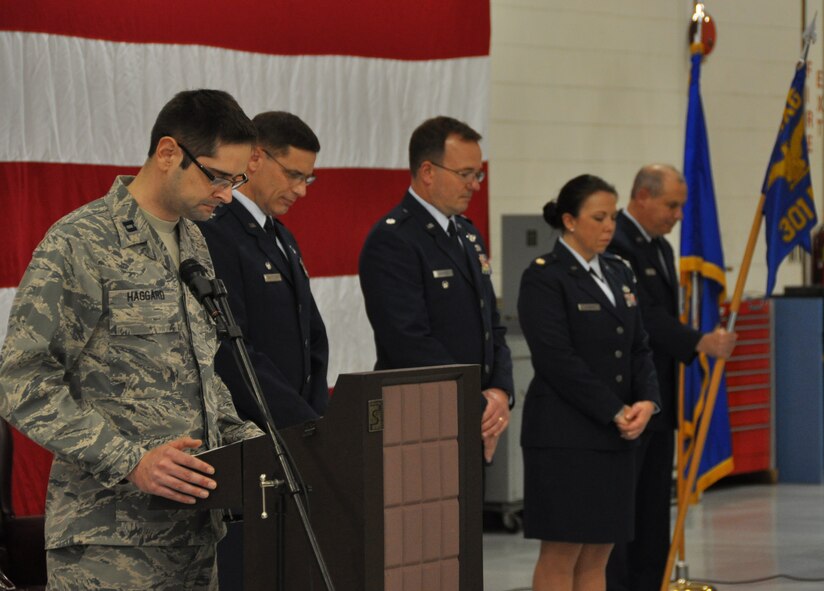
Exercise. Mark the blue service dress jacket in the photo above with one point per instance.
(590, 357)
(671, 341)
(272, 303)
(430, 299)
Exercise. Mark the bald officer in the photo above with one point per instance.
(656, 203)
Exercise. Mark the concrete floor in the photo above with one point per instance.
(737, 533)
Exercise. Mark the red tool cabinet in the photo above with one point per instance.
(749, 375)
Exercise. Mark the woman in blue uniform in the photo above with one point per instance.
(592, 395)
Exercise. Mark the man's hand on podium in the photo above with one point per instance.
(168, 471)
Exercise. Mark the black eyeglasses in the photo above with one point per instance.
(218, 182)
(295, 176)
(468, 175)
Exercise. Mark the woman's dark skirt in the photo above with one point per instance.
(579, 495)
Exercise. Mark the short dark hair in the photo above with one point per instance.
(651, 178)
(201, 120)
(572, 197)
(280, 130)
(427, 141)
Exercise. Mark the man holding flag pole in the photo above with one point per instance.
(657, 201)
(661, 197)
(787, 203)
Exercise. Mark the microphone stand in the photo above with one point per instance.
(227, 328)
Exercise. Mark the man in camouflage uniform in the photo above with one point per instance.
(109, 360)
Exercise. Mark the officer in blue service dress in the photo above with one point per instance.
(593, 392)
(655, 206)
(260, 262)
(425, 273)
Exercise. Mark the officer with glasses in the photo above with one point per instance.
(109, 362)
(426, 277)
(260, 262)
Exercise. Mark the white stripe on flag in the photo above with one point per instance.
(72, 99)
(6, 298)
(351, 345)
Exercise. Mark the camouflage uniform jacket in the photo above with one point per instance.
(103, 361)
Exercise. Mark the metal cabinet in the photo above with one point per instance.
(749, 374)
(799, 389)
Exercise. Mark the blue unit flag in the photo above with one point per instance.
(701, 253)
(789, 208)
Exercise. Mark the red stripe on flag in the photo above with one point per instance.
(29, 475)
(38, 194)
(426, 29)
(331, 223)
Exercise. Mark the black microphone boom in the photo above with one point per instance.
(211, 293)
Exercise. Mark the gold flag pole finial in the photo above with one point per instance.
(701, 30)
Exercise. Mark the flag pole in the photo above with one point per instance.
(680, 463)
(689, 316)
(706, 416)
(681, 458)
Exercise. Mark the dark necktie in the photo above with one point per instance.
(452, 231)
(602, 283)
(270, 229)
(661, 258)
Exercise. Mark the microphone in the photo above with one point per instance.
(193, 275)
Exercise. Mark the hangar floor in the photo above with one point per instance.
(737, 534)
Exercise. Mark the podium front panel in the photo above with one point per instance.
(421, 486)
(395, 489)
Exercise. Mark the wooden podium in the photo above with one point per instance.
(393, 472)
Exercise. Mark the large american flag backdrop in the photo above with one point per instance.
(83, 81)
